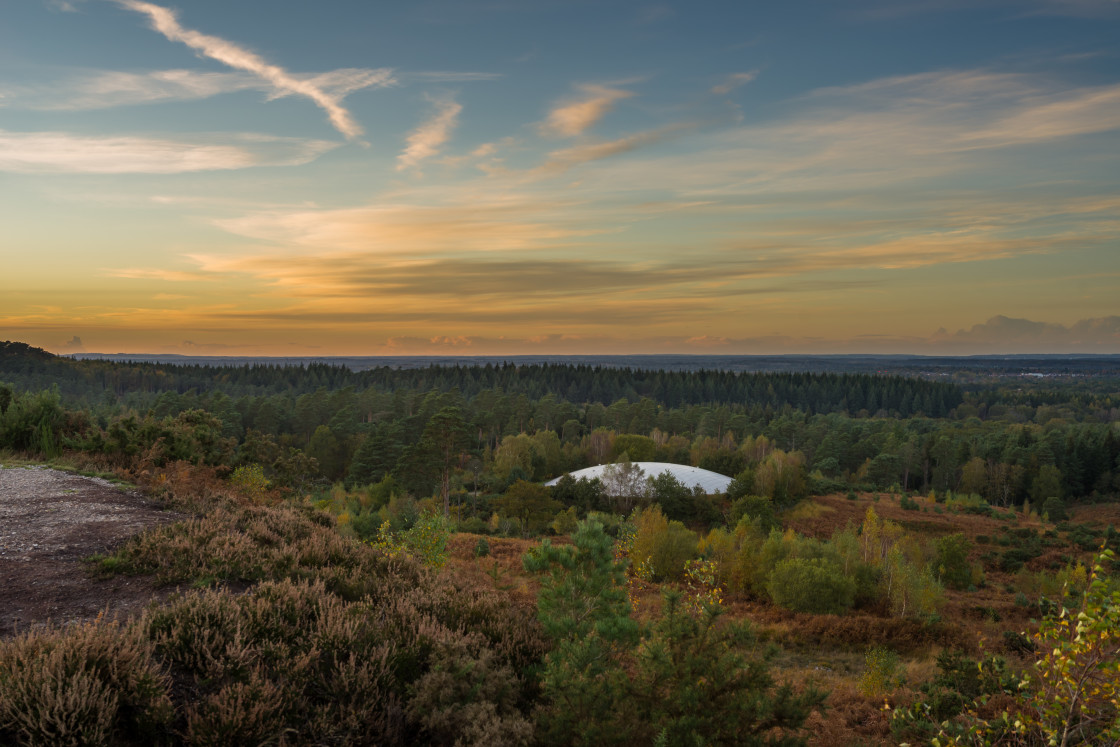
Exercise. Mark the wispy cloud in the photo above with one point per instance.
(573, 117)
(174, 276)
(228, 53)
(60, 152)
(478, 223)
(566, 158)
(733, 81)
(1052, 116)
(449, 76)
(64, 6)
(103, 89)
(425, 141)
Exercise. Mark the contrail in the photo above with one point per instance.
(165, 22)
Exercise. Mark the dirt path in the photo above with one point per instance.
(49, 522)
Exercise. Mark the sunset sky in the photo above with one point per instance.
(284, 177)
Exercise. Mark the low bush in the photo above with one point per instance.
(96, 683)
(1055, 509)
(880, 676)
(334, 643)
(811, 585)
(754, 507)
(952, 564)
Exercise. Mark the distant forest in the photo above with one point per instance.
(477, 429)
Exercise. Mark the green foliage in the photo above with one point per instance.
(250, 480)
(880, 676)
(696, 682)
(962, 683)
(952, 564)
(1054, 509)
(1071, 698)
(1077, 682)
(529, 502)
(1047, 484)
(1018, 643)
(675, 500)
(661, 547)
(811, 585)
(754, 508)
(426, 540)
(911, 587)
(33, 422)
(639, 448)
(583, 494)
(687, 680)
(583, 597)
(742, 485)
(566, 521)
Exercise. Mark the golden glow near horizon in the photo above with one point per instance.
(189, 181)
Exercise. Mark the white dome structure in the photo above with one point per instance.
(691, 477)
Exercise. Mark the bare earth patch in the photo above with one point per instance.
(50, 521)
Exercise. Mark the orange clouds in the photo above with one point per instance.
(574, 117)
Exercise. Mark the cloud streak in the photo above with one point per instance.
(60, 152)
(574, 117)
(104, 89)
(425, 141)
(733, 81)
(566, 158)
(316, 89)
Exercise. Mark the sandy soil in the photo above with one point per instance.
(50, 522)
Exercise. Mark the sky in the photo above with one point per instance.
(281, 177)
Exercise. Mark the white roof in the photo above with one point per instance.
(690, 477)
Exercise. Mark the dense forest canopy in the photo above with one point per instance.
(447, 428)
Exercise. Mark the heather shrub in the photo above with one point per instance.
(90, 684)
(252, 543)
(241, 712)
(301, 664)
(469, 697)
(337, 641)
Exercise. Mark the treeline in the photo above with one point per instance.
(88, 381)
(477, 431)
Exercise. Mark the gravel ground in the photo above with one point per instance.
(50, 521)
